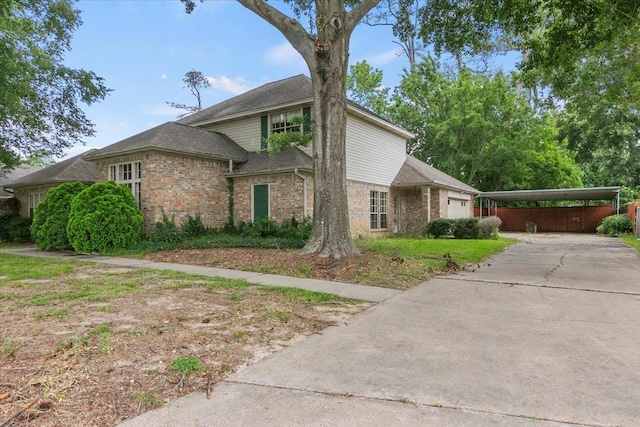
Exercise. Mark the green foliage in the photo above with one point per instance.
(186, 365)
(480, 130)
(49, 228)
(104, 217)
(193, 227)
(489, 226)
(166, 232)
(364, 86)
(439, 227)
(39, 95)
(615, 225)
(5, 220)
(278, 142)
(20, 229)
(465, 228)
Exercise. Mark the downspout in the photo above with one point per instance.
(230, 165)
(304, 192)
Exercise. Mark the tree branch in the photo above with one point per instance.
(357, 14)
(295, 33)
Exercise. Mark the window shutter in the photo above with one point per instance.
(306, 115)
(264, 129)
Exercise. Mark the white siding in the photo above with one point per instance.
(245, 132)
(374, 155)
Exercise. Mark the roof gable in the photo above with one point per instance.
(76, 168)
(271, 95)
(177, 138)
(415, 172)
(14, 175)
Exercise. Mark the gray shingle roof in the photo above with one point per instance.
(14, 175)
(281, 92)
(287, 160)
(415, 172)
(76, 168)
(177, 138)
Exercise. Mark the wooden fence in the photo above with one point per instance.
(580, 219)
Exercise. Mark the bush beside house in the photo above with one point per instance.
(49, 228)
(104, 217)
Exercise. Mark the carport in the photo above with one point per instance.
(582, 218)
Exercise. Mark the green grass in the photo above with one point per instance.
(186, 365)
(16, 267)
(461, 250)
(631, 240)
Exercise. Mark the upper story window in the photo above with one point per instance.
(282, 122)
(129, 174)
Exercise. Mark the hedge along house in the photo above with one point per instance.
(31, 189)
(214, 163)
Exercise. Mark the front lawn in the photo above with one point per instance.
(93, 345)
(631, 240)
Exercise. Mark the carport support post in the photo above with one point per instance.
(618, 203)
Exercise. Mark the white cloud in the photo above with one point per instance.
(383, 58)
(234, 86)
(163, 76)
(284, 55)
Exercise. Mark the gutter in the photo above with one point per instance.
(304, 192)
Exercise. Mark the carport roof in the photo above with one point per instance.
(595, 193)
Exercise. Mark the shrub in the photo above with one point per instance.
(49, 227)
(439, 227)
(20, 229)
(489, 226)
(104, 217)
(465, 228)
(615, 225)
(293, 229)
(193, 227)
(264, 227)
(166, 231)
(5, 220)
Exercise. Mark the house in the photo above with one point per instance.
(13, 175)
(214, 163)
(31, 189)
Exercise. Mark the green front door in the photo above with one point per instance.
(260, 202)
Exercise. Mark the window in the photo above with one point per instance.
(282, 122)
(463, 203)
(129, 174)
(34, 201)
(378, 210)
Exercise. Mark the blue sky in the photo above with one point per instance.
(143, 48)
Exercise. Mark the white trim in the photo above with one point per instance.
(115, 173)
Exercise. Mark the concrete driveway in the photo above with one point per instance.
(546, 333)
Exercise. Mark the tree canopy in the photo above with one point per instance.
(195, 81)
(40, 97)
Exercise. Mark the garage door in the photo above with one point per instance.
(457, 208)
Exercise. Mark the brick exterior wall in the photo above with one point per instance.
(22, 194)
(358, 194)
(412, 211)
(285, 196)
(180, 186)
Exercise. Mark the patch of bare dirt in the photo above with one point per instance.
(367, 268)
(99, 363)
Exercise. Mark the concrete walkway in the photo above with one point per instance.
(345, 290)
(546, 333)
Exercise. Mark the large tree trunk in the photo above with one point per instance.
(326, 56)
(331, 234)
